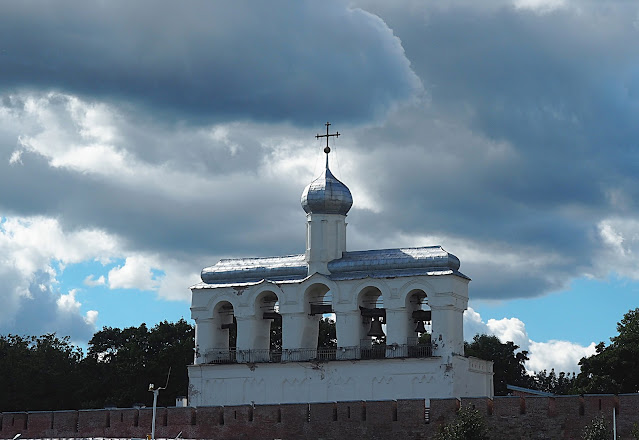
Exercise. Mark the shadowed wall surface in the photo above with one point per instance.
(561, 417)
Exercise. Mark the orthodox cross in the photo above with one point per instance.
(336, 134)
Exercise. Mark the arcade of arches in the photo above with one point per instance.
(398, 319)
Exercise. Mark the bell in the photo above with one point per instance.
(420, 327)
(376, 329)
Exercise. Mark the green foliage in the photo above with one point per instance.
(120, 364)
(276, 334)
(508, 364)
(37, 373)
(562, 383)
(509, 369)
(597, 430)
(424, 338)
(468, 425)
(327, 337)
(50, 373)
(635, 431)
(615, 368)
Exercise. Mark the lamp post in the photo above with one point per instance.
(155, 392)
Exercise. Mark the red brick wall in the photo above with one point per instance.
(507, 418)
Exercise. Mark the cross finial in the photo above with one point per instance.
(327, 149)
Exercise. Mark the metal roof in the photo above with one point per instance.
(382, 263)
(242, 270)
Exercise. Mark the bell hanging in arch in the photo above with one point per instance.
(376, 329)
(420, 328)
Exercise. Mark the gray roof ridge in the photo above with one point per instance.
(273, 257)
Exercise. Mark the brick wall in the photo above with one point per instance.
(561, 417)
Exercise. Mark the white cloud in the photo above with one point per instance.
(178, 277)
(91, 317)
(560, 355)
(540, 6)
(510, 329)
(32, 242)
(16, 157)
(611, 237)
(619, 238)
(135, 274)
(34, 252)
(473, 324)
(67, 303)
(91, 282)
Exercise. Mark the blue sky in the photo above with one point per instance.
(141, 142)
(576, 314)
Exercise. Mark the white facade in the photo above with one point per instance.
(399, 287)
(308, 382)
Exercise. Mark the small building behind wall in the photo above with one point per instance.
(398, 314)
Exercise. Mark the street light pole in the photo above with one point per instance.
(155, 405)
(155, 392)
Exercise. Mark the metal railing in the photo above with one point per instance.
(232, 356)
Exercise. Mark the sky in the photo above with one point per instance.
(142, 141)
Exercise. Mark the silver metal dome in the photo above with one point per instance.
(326, 195)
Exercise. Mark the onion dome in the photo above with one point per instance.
(327, 195)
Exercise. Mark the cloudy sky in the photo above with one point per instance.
(141, 141)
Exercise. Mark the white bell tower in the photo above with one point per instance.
(398, 319)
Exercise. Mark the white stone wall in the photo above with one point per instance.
(301, 382)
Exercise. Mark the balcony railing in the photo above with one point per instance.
(232, 356)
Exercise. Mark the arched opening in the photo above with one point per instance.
(419, 323)
(226, 334)
(320, 333)
(268, 305)
(373, 313)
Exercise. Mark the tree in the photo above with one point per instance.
(562, 383)
(327, 337)
(614, 368)
(508, 364)
(120, 364)
(468, 425)
(38, 373)
(50, 373)
(597, 430)
(276, 334)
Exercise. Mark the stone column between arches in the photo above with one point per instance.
(299, 336)
(348, 328)
(397, 331)
(253, 334)
(204, 339)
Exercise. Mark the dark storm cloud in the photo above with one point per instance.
(556, 93)
(526, 129)
(560, 87)
(155, 224)
(291, 60)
